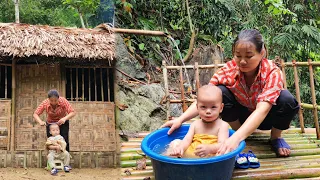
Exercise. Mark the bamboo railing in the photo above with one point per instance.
(196, 67)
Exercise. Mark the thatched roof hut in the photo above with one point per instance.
(24, 40)
(79, 63)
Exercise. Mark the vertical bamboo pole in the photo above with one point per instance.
(284, 74)
(25, 160)
(6, 82)
(13, 104)
(95, 84)
(82, 84)
(184, 106)
(89, 84)
(77, 85)
(216, 62)
(101, 79)
(108, 84)
(0, 73)
(296, 82)
(63, 79)
(165, 79)
(71, 83)
(196, 66)
(313, 94)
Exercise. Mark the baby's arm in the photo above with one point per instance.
(223, 133)
(185, 143)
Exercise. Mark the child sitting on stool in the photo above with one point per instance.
(205, 135)
(57, 149)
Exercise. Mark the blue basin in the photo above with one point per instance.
(167, 168)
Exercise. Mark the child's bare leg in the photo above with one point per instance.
(51, 160)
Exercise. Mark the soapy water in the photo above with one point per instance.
(160, 149)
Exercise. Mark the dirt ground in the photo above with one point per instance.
(75, 174)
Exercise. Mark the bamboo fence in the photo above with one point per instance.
(184, 100)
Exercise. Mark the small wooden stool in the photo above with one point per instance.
(58, 164)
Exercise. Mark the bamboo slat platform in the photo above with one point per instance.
(304, 162)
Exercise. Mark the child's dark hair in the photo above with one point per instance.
(53, 93)
(253, 36)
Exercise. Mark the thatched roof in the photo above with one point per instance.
(24, 40)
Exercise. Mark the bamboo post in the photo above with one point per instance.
(0, 72)
(6, 82)
(89, 81)
(25, 160)
(13, 104)
(40, 159)
(196, 66)
(296, 82)
(216, 62)
(82, 84)
(101, 79)
(80, 160)
(77, 85)
(63, 79)
(284, 74)
(184, 106)
(71, 84)
(315, 110)
(108, 84)
(165, 79)
(95, 84)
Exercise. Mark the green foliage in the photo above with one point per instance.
(51, 12)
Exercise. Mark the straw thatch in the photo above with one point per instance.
(24, 40)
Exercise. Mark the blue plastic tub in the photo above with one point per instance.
(167, 168)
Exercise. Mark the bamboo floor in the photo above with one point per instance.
(304, 162)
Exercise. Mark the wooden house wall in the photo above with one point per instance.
(5, 117)
(92, 129)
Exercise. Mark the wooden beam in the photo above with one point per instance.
(166, 87)
(77, 85)
(317, 63)
(184, 106)
(89, 85)
(139, 32)
(197, 74)
(13, 104)
(192, 66)
(82, 84)
(95, 84)
(101, 80)
(296, 82)
(6, 82)
(313, 95)
(71, 83)
(108, 84)
(284, 74)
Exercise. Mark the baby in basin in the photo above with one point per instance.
(205, 135)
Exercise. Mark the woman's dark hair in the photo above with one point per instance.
(253, 36)
(53, 93)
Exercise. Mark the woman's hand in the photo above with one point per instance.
(174, 124)
(61, 121)
(228, 145)
(42, 123)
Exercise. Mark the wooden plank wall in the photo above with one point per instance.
(33, 84)
(5, 116)
(93, 128)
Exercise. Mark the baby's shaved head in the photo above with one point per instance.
(208, 92)
(53, 126)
